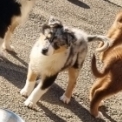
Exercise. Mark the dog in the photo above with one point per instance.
(12, 13)
(109, 81)
(59, 48)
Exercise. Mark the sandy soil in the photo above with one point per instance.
(93, 16)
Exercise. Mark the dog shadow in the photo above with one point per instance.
(112, 3)
(51, 115)
(12, 72)
(79, 3)
(14, 54)
(104, 110)
(52, 96)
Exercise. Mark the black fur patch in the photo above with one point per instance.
(8, 9)
(76, 65)
(69, 60)
(69, 36)
(48, 81)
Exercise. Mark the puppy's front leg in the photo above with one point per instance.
(73, 74)
(30, 83)
(42, 87)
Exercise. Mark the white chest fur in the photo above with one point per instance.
(47, 65)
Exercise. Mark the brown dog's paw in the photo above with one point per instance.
(65, 99)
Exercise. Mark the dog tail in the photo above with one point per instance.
(94, 69)
(104, 39)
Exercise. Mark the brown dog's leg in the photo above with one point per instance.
(95, 86)
(73, 74)
(107, 89)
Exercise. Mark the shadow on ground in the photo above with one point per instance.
(54, 93)
(12, 72)
(104, 110)
(112, 3)
(79, 3)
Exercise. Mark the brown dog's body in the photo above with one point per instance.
(109, 81)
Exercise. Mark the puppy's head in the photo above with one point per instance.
(56, 38)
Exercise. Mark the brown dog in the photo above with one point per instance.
(109, 81)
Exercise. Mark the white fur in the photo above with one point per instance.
(49, 47)
(65, 99)
(28, 88)
(35, 96)
(46, 65)
(81, 35)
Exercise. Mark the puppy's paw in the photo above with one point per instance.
(24, 92)
(65, 99)
(29, 104)
(100, 115)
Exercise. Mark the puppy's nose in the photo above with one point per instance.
(44, 50)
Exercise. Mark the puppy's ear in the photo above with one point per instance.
(69, 36)
(45, 28)
(54, 22)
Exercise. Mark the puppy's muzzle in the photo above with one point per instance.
(44, 51)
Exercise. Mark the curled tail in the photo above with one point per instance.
(94, 69)
(104, 39)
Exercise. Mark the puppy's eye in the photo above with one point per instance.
(52, 39)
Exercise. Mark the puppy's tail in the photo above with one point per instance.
(106, 41)
(94, 69)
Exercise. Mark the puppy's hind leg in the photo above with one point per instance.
(30, 83)
(41, 88)
(73, 74)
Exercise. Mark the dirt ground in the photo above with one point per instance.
(93, 16)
